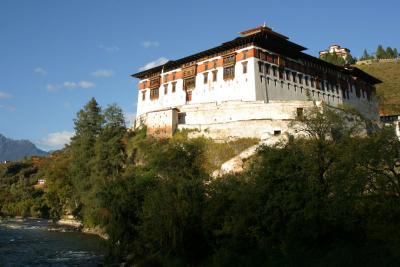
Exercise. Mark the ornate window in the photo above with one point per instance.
(154, 94)
(229, 60)
(189, 84)
(229, 72)
(189, 71)
(155, 82)
(205, 77)
(143, 95)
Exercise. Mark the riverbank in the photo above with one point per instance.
(70, 224)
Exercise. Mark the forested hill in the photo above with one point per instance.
(17, 149)
(389, 90)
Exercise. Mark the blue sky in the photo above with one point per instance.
(56, 55)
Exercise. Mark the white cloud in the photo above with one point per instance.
(103, 73)
(40, 71)
(52, 87)
(4, 95)
(111, 49)
(86, 84)
(155, 63)
(130, 119)
(68, 84)
(8, 108)
(149, 44)
(55, 140)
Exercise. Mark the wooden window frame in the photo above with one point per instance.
(154, 94)
(229, 72)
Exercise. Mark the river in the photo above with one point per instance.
(36, 242)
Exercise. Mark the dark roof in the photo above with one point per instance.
(266, 39)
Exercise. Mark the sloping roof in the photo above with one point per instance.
(262, 37)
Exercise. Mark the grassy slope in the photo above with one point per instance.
(389, 90)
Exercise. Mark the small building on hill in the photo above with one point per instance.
(251, 86)
(336, 49)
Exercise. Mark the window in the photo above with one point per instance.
(306, 80)
(229, 72)
(145, 84)
(267, 66)
(294, 77)
(155, 82)
(205, 65)
(215, 64)
(274, 70)
(277, 132)
(205, 77)
(165, 89)
(154, 94)
(230, 59)
(244, 64)
(281, 74)
(143, 95)
(299, 113)
(214, 75)
(288, 75)
(165, 78)
(300, 79)
(173, 75)
(244, 54)
(260, 66)
(189, 83)
(173, 87)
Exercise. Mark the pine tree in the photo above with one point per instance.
(88, 125)
(380, 52)
(365, 55)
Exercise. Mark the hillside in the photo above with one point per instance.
(389, 90)
(17, 149)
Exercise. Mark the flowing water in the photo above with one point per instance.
(33, 242)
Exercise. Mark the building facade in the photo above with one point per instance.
(252, 86)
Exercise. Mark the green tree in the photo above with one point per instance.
(395, 53)
(88, 125)
(365, 55)
(380, 52)
(389, 52)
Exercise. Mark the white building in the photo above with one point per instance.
(252, 86)
(336, 49)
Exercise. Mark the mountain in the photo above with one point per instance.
(17, 149)
(388, 91)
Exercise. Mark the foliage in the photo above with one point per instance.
(328, 199)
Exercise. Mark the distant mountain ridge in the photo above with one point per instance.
(17, 149)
